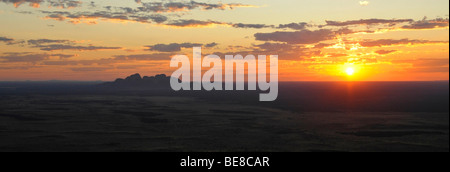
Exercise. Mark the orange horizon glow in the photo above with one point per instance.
(315, 40)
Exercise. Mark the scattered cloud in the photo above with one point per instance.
(64, 3)
(6, 40)
(91, 69)
(93, 17)
(322, 45)
(63, 56)
(283, 50)
(23, 57)
(364, 3)
(426, 65)
(145, 57)
(194, 23)
(38, 42)
(165, 7)
(393, 42)
(51, 3)
(212, 44)
(10, 41)
(174, 47)
(384, 52)
(294, 26)
(30, 57)
(335, 55)
(428, 24)
(297, 37)
(103, 61)
(254, 26)
(368, 22)
(306, 36)
(53, 45)
(17, 3)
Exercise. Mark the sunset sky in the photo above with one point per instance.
(316, 40)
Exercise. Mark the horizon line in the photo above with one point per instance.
(54, 80)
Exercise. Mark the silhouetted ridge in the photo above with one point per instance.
(135, 77)
(136, 81)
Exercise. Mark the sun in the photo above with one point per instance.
(350, 71)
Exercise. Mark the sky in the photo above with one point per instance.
(315, 40)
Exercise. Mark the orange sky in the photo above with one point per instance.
(316, 40)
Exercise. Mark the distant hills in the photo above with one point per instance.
(136, 81)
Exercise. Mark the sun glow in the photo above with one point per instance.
(350, 71)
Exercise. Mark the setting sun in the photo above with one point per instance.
(350, 71)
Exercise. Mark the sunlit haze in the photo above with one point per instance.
(316, 40)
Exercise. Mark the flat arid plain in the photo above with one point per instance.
(357, 116)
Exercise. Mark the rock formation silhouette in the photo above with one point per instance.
(136, 81)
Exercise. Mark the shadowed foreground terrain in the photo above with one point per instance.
(306, 117)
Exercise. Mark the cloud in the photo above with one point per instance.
(64, 3)
(23, 57)
(424, 62)
(367, 22)
(103, 61)
(53, 45)
(254, 26)
(142, 14)
(130, 15)
(322, 45)
(145, 18)
(428, 24)
(275, 46)
(17, 3)
(92, 17)
(160, 7)
(51, 3)
(305, 36)
(6, 40)
(385, 25)
(63, 56)
(199, 23)
(10, 41)
(362, 60)
(426, 65)
(38, 42)
(364, 3)
(212, 44)
(16, 67)
(126, 14)
(283, 50)
(298, 37)
(392, 42)
(91, 69)
(145, 57)
(432, 62)
(384, 52)
(286, 51)
(431, 69)
(171, 47)
(30, 57)
(174, 47)
(194, 23)
(294, 26)
(336, 55)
